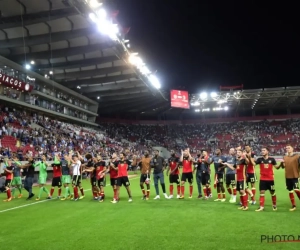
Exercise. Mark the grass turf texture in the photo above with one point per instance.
(153, 224)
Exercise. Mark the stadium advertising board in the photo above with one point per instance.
(180, 99)
(14, 83)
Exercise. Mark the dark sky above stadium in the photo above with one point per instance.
(200, 45)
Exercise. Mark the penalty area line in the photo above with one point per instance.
(38, 202)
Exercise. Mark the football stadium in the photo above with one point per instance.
(97, 153)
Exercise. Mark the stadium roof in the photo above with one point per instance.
(59, 38)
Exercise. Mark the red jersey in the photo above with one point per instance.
(99, 168)
(173, 163)
(266, 168)
(240, 169)
(113, 173)
(187, 166)
(122, 167)
(250, 167)
(9, 176)
(56, 170)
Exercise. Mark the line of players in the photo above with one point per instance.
(239, 166)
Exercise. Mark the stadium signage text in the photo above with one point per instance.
(280, 238)
(15, 83)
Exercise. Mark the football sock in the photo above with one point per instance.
(51, 191)
(13, 191)
(40, 192)
(81, 190)
(59, 191)
(262, 200)
(224, 196)
(8, 192)
(46, 191)
(178, 189)
(234, 191)
(171, 189)
(66, 192)
(148, 193)
(297, 191)
(182, 190)
(274, 199)
(191, 190)
(292, 198)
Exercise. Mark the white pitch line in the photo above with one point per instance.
(38, 202)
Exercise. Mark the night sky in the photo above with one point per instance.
(201, 45)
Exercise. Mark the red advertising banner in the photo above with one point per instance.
(180, 99)
(15, 83)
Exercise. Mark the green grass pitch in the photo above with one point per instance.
(154, 224)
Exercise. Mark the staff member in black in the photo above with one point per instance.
(158, 164)
(29, 175)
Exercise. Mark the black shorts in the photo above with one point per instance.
(230, 179)
(205, 179)
(93, 181)
(187, 176)
(113, 182)
(220, 178)
(76, 180)
(143, 178)
(56, 182)
(251, 178)
(101, 182)
(240, 185)
(174, 178)
(7, 183)
(266, 185)
(292, 183)
(123, 181)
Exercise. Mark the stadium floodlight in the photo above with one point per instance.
(27, 66)
(197, 110)
(203, 96)
(46, 76)
(78, 87)
(93, 17)
(195, 103)
(144, 70)
(226, 108)
(213, 94)
(51, 72)
(135, 60)
(221, 101)
(102, 14)
(95, 3)
(32, 62)
(154, 81)
(98, 97)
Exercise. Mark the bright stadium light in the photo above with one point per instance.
(154, 81)
(135, 60)
(213, 94)
(93, 17)
(94, 3)
(32, 62)
(203, 96)
(197, 110)
(98, 97)
(102, 14)
(51, 73)
(27, 66)
(226, 108)
(221, 101)
(195, 103)
(144, 70)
